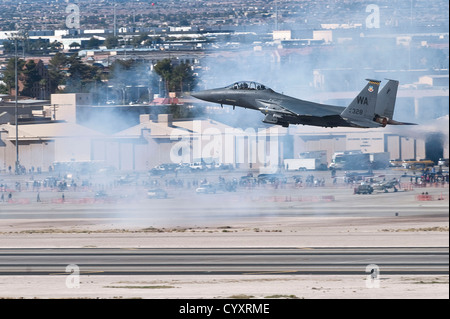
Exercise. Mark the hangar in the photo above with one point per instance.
(152, 140)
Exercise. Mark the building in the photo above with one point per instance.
(150, 140)
(364, 140)
(164, 140)
(28, 110)
(41, 145)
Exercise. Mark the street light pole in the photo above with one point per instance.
(16, 115)
(115, 19)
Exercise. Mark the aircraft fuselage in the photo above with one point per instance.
(283, 110)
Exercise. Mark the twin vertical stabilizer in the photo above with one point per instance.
(360, 113)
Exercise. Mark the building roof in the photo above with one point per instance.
(49, 131)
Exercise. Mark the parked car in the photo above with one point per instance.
(196, 166)
(163, 169)
(443, 162)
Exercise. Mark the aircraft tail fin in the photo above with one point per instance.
(384, 110)
(386, 100)
(361, 111)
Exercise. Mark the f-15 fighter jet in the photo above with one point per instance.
(368, 109)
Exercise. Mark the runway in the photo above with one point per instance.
(309, 242)
(226, 261)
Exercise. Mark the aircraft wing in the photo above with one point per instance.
(309, 113)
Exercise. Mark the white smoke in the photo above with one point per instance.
(439, 125)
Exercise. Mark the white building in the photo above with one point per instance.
(160, 140)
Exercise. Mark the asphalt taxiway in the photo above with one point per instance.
(226, 261)
(253, 242)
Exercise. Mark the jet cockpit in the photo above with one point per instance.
(247, 85)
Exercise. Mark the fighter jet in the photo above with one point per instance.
(285, 110)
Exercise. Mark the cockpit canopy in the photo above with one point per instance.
(247, 85)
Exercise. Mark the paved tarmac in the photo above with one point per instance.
(263, 217)
(226, 261)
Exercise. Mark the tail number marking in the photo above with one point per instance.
(355, 111)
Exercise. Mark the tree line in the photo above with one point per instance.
(69, 74)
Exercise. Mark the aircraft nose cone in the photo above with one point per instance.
(202, 95)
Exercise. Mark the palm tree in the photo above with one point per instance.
(9, 75)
